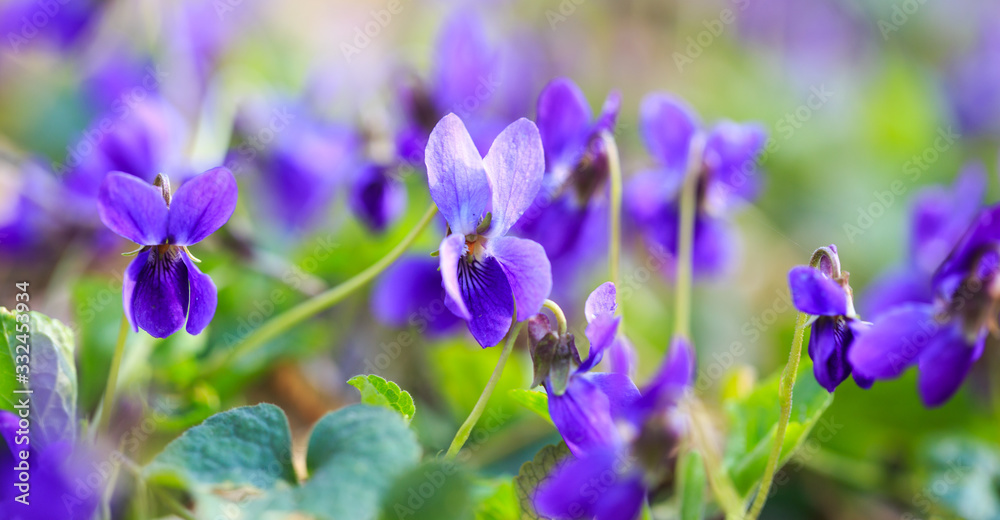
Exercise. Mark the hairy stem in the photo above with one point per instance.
(785, 397)
(324, 300)
(685, 247)
(470, 422)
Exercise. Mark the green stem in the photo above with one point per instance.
(682, 304)
(170, 502)
(313, 306)
(615, 172)
(470, 422)
(647, 512)
(785, 396)
(718, 480)
(108, 404)
(560, 316)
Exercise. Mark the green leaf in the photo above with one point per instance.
(51, 374)
(964, 478)
(753, 421)
(534, 472)
(497, 500)
(533, 400)
(379, 392)
(242, 458)
(691, 485)
(354, 456)
(246, 447)
(434, 490)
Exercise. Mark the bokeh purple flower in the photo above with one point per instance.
(485, 83)
(569, 217)
(972, 83)
(410, 294)
(163, 288)
(55, 475)
(944, 338)
(724, 159)
(485, 272)
(938, 218)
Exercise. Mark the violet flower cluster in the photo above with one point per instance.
(625, 439)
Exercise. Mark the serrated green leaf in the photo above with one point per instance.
(533, 400)
(378, 391)
(753, 421)
(51, 375)
(691, 485)
(534, 472)
(434, 490)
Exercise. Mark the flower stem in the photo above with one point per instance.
(785, 397)
(108, 404)
(320, 302)
(558, 312)
(615, 239)
(682, 304)
(470, 422)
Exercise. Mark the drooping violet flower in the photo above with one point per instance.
(938, 218)
(584, 405)
(724, 159)
(51, 485)
(638, 462)
(409, 294)
(162, 287)
(569, 217)
(485, 272)
(944, 339)
(822, 290)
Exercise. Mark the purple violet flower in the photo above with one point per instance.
(639, 458)
(938, 218)
(945, 338)
(569, 217)
(409, 293)
(163, 288)
(485, 272)
(299, 160)
(56, 471)
(822, 290)
(725, 158)
(585, 406)
(470, 77)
